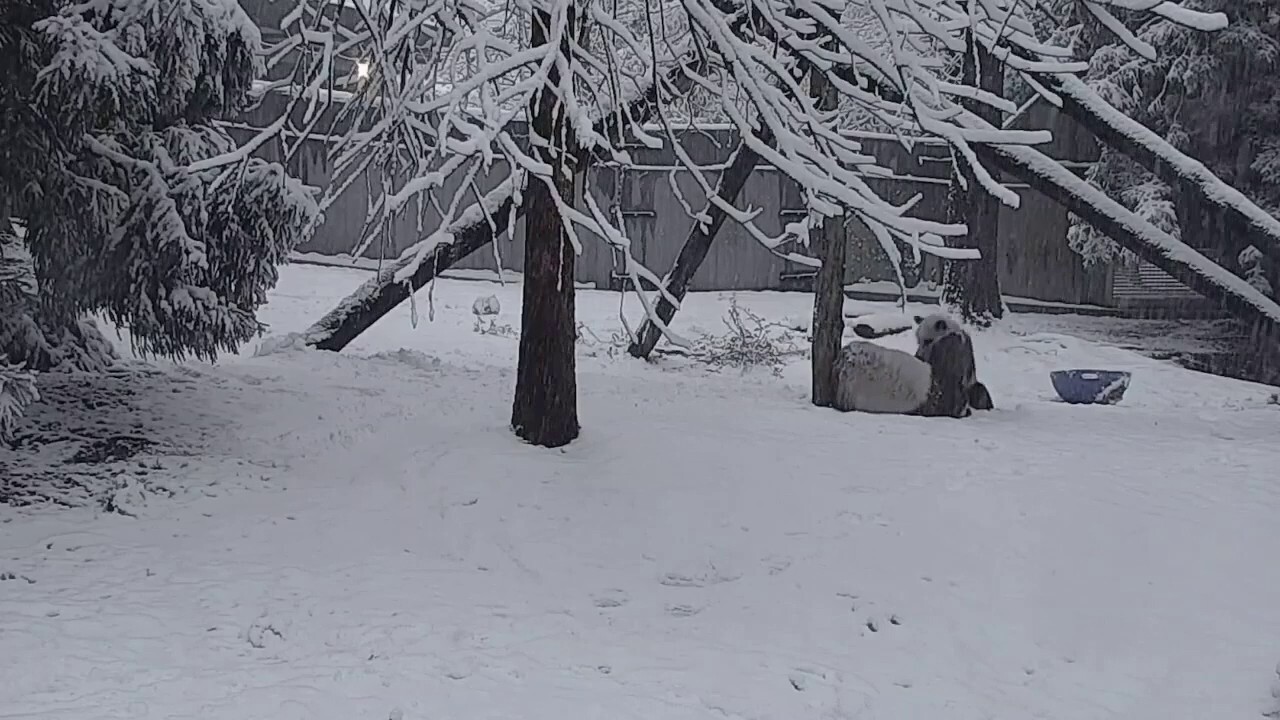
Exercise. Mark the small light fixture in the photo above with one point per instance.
(362, 70)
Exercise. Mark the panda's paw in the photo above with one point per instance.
(980, 397)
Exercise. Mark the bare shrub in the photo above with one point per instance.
(751, 342)
(491, 327)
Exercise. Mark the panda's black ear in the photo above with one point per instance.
(918, 319)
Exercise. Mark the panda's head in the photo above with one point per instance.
(932, 328)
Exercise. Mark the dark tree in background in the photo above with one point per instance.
(120, 195)
(972, 287)
(545, 410)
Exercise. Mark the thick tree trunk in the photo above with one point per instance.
(973, 286)
(382, 293)
(1253, 225)
(828, 289)
(828, 309)
(698, 244)
(545, 410)
(1137, 235)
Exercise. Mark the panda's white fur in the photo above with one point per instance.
(876, 379)
(934, 327)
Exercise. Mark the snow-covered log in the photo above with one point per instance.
(1189, 267)
(381, 293)
(1255, 226)
(394, 284)
(698, 244)
(878, 325)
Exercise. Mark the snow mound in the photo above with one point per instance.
(487, 305)
(287, 343)
(415, 359)
(876, 325)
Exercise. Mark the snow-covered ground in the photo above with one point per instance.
(309, 536)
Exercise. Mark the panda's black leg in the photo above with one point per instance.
(980, 397)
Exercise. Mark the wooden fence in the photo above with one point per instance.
(1035, 260)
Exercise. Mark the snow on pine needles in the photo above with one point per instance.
(299, 534)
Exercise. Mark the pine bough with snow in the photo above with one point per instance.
(119, 194)
(1213, 96)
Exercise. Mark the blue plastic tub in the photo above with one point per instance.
(1089, 387)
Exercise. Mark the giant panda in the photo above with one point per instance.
(876, 379)
(946, 347)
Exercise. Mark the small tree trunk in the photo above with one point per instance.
(828, 290)
(545, 410)
(973, 286)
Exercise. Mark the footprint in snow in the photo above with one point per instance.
(683, 610)
(871, 623)
(699, 580)
(801, 677)
(610, 599)
(777, 565)
(262, 632)
(876, 626)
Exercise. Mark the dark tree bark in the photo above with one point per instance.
(545, 410)
(973, 286)
(828, 289)
(698, 244)
(381, 294)
(1192, 269)
(828, 309)
(1250, 224)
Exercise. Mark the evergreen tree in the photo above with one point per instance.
(1216, 97)
(119, 192)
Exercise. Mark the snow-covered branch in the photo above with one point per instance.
(444, 103)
